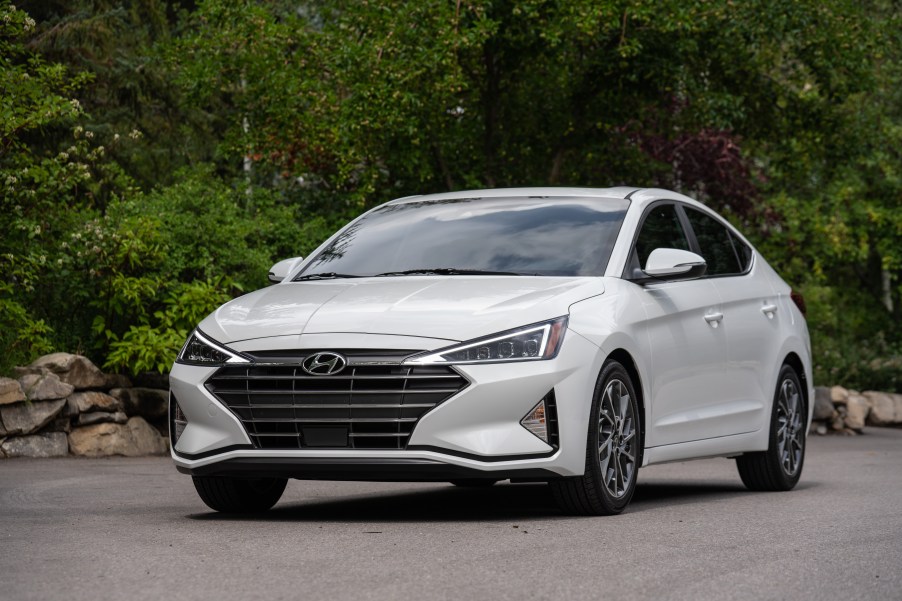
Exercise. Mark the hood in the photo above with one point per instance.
(453, 308)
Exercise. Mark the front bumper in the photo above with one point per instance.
(475, 433)
(376, 469)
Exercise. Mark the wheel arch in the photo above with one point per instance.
(623, 357)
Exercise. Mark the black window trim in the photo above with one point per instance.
(680, 207)
(693, 241)
(690, 237)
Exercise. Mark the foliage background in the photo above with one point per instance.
(157, 156)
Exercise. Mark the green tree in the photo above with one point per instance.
(130, 93)
(33, 95)
(217, 137)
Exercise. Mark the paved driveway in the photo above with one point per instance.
(134, 529)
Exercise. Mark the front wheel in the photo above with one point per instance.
(239, 495)
(612, 450)
(780, 466)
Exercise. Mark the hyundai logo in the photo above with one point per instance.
(324, 364)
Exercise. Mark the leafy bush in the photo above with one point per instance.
(164, 260)
(21, 336)
(149, 347)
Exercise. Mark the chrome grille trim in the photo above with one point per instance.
(366, 406)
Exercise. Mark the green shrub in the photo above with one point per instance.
(153, 346)
(21, 336)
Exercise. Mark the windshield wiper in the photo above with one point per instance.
(445, 271)
(329, 275)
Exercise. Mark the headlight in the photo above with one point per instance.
(200, 350)
(534, 342)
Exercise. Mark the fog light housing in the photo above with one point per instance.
(541, 420)
(536, 421)
(177, 420)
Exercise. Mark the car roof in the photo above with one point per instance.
(638, 196)
(617, 192)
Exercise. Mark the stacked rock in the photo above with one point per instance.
(849, 411)
(62, 403)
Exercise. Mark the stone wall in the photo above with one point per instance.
(849, 411)
(62, 404)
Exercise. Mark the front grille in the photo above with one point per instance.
(374, 403)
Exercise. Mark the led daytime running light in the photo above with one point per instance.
(534, 342)
(200, 350)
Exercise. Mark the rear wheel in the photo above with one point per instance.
(239, 495)
(612, 453)
(780, 466)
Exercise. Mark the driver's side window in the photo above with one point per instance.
(661, 229)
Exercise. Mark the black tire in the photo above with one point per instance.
(474, 482)
(780, 466)
(592, 493)
(239, 495)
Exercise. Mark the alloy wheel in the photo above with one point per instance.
(616, 438)
(789, 427)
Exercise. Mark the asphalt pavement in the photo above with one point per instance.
(134, 529)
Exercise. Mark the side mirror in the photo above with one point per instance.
(280, 270)
(674, 264)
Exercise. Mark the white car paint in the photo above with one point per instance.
(452, 308)
(706, 352)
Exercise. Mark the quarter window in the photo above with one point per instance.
(715, 244)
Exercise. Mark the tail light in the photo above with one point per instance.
(799, 300)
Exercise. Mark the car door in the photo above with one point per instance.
(750, 322)
(683, 338)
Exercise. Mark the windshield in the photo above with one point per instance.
(476, 236)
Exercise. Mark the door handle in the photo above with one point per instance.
(769, 311)
(714, 319)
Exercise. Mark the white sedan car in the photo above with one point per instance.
(562, 335)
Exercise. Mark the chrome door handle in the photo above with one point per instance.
(769, 311)
(714, 319)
